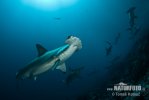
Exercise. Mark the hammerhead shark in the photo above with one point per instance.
(50, 60)
(132, 17)
(108, 49)
(73, 74)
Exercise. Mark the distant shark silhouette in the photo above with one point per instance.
(132, 17)
(50, 60)
(108, 49)
(73, 74)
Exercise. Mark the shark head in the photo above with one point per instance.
(72, 40)
(131, 10)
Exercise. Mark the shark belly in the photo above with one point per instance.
(47, 60)
(67, 53)
(46, 66)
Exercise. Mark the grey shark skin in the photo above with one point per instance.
(50, 60)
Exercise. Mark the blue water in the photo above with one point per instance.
(93, 21)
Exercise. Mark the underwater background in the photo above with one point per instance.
(100, 24)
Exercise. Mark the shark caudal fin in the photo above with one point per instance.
(41, 50)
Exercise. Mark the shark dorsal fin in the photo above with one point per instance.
(41, 50)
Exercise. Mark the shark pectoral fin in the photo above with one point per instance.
(55, 65)
(62, 67)
(35, 78)
(41, 50)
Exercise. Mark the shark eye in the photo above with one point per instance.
(69, 36)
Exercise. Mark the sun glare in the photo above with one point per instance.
(49, 4)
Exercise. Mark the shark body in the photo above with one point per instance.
(73, 74)
(50, 60)
(108, 49)
(132, 17)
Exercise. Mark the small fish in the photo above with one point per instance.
(57, 18)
